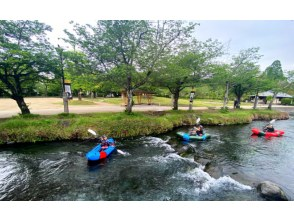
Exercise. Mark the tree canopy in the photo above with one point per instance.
(128, 49)
(25, 56)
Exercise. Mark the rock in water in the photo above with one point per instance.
(271, 191)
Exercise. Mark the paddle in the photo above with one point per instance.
(94, 133)
(272, 121)
(197, 121)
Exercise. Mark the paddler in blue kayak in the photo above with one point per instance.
(104, 142)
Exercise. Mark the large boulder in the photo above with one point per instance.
(271, 191)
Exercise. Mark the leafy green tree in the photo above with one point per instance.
(277, 80)
(25, 57)
(128, 51)
(173, 75)
(190, 66)
(221, 76)
(79, 71)
(261, 83)
(243, 72)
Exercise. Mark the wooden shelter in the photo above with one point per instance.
(139, 94)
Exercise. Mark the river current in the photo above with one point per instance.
(153, 169)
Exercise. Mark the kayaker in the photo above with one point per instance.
(199, 130)
(193, 131)
(104, 142)
(269, 128)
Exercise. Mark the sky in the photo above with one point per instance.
(239, 26)
(275, 38)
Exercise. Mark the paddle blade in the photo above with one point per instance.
(92, 132)
(121, 152)
(272, 121)
(197, 120)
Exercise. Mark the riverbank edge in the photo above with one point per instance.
(73, 127)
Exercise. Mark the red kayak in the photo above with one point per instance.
(276, 133)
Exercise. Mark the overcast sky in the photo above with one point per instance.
(240, 26)
(274, 38)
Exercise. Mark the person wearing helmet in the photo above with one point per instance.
(269, 128)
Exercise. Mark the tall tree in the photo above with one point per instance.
(244, 70)
(24, 57)
(278, 81)
(192, 64)
(201, 59)
(130, 49)
(175, 76)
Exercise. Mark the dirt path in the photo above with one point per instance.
(50, 106)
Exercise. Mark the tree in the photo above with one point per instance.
(200, 59)
(221, 76)
(79, 70)
(24, 57)
(278, 81)
(173, 75)
(244, 70)
(191, 65)
(128, 51)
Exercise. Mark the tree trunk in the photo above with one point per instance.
(80, 95)
(130, 101)
(46, 90)
(255, 100)
(176, 99)
(22, 105)
(238, 102)
(226, 98)
(271, 102)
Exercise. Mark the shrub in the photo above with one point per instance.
(224, 109)
(287, 101)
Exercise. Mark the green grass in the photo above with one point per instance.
(162, 101)
(118, 125)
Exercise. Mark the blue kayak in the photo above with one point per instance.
(188, 137)
(97, 154)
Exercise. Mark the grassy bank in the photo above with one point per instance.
(34, 128)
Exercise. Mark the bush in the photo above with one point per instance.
(287, 101)
(224, 109)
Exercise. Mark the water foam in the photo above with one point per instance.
(157, 142)
(205, 183)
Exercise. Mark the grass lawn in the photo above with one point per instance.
(167, 102)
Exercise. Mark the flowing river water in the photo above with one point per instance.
(153, 169)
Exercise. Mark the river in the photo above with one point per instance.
(152, 170)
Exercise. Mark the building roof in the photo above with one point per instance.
(279, 95)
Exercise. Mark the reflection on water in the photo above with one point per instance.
(152, 169)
